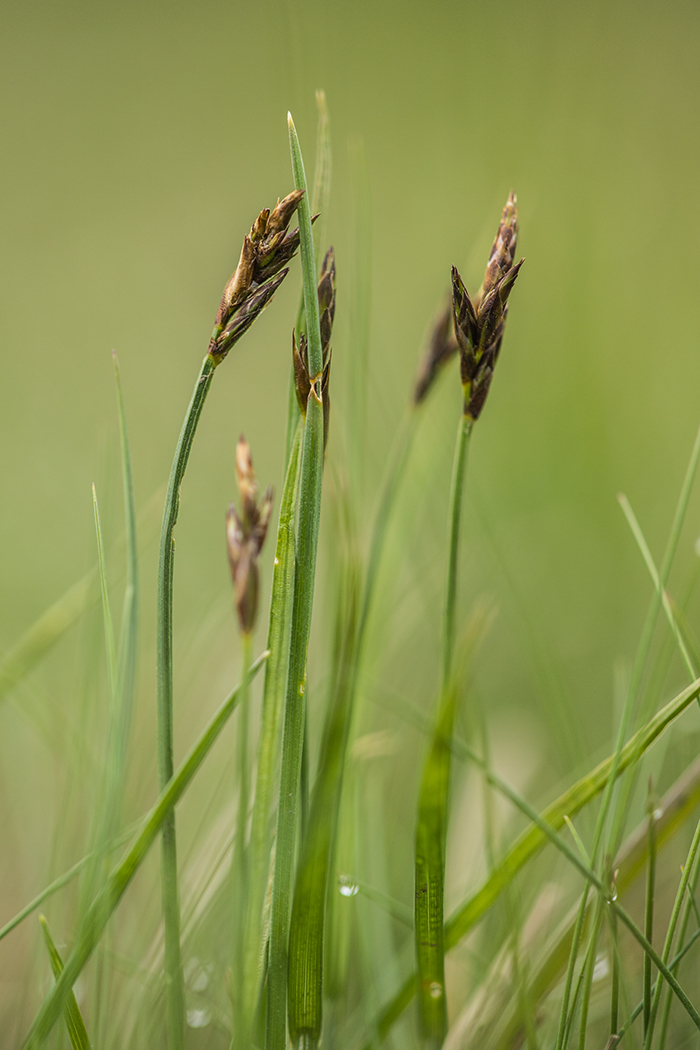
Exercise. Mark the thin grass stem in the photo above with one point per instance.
(308, 518)
(77, 1032)
(278, 641)
(175, 1011)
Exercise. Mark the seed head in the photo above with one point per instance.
(266, 250)
(479, 324)
(245, 534)
(303, 381)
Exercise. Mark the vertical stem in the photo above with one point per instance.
(240, 865)
(309, 513)
(649, 915)
(175, 1008)
(449, 627)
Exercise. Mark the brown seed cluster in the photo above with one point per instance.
(479, 323)
(266, 251)
(303, 382)
(474, 328)
(246, 534)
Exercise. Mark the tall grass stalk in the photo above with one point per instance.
(166, 762)
(278, 641)
(308, 517)
(109, 897)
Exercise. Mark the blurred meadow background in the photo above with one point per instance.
(139, 141)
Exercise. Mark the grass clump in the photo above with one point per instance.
(290, 958)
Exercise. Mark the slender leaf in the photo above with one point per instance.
(77, 1032)
(308, 517)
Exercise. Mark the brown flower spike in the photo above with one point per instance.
(246, 534)
(266, 250)
(479, 323)
(300, 353)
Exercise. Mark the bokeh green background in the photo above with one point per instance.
(138, 143)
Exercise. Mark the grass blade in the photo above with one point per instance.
(77, 1032)
(104, 593)
(319, 206)
(307, 927)
(108, 900)
(309, 512)
(278, 640)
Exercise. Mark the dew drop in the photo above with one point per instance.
(198, 1018)
(277, 561)
(658, 814)
(435, 990)
(347, 887)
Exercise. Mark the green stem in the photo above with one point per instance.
(466, 424)
(649, 915)
(239, 860)
(309, 513)
(175, 1008)
(671, 929)
(108, 900)
(278, 637)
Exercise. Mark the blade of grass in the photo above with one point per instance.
(307, 926)
(319, 206)
(128, 636)
(278, 641)
(309, 512)
(690, 906)
(108, 900)
(104, 593)
(649, 561)
(77, 1032)
(649, 913)
(671, 930)
(531, 840)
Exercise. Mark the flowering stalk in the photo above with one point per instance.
(259, 273)
(478, 331)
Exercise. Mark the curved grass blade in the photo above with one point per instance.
(531, 841)
(77, 1032)
(278, 641)
(110, 896)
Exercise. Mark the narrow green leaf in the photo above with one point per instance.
(104, 592)
(319, 206)
(128, 637)
(307, 929)
(77, 1032)
(110, 896)
(278, 640)
(308, 517)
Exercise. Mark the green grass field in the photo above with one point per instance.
(438, 759)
